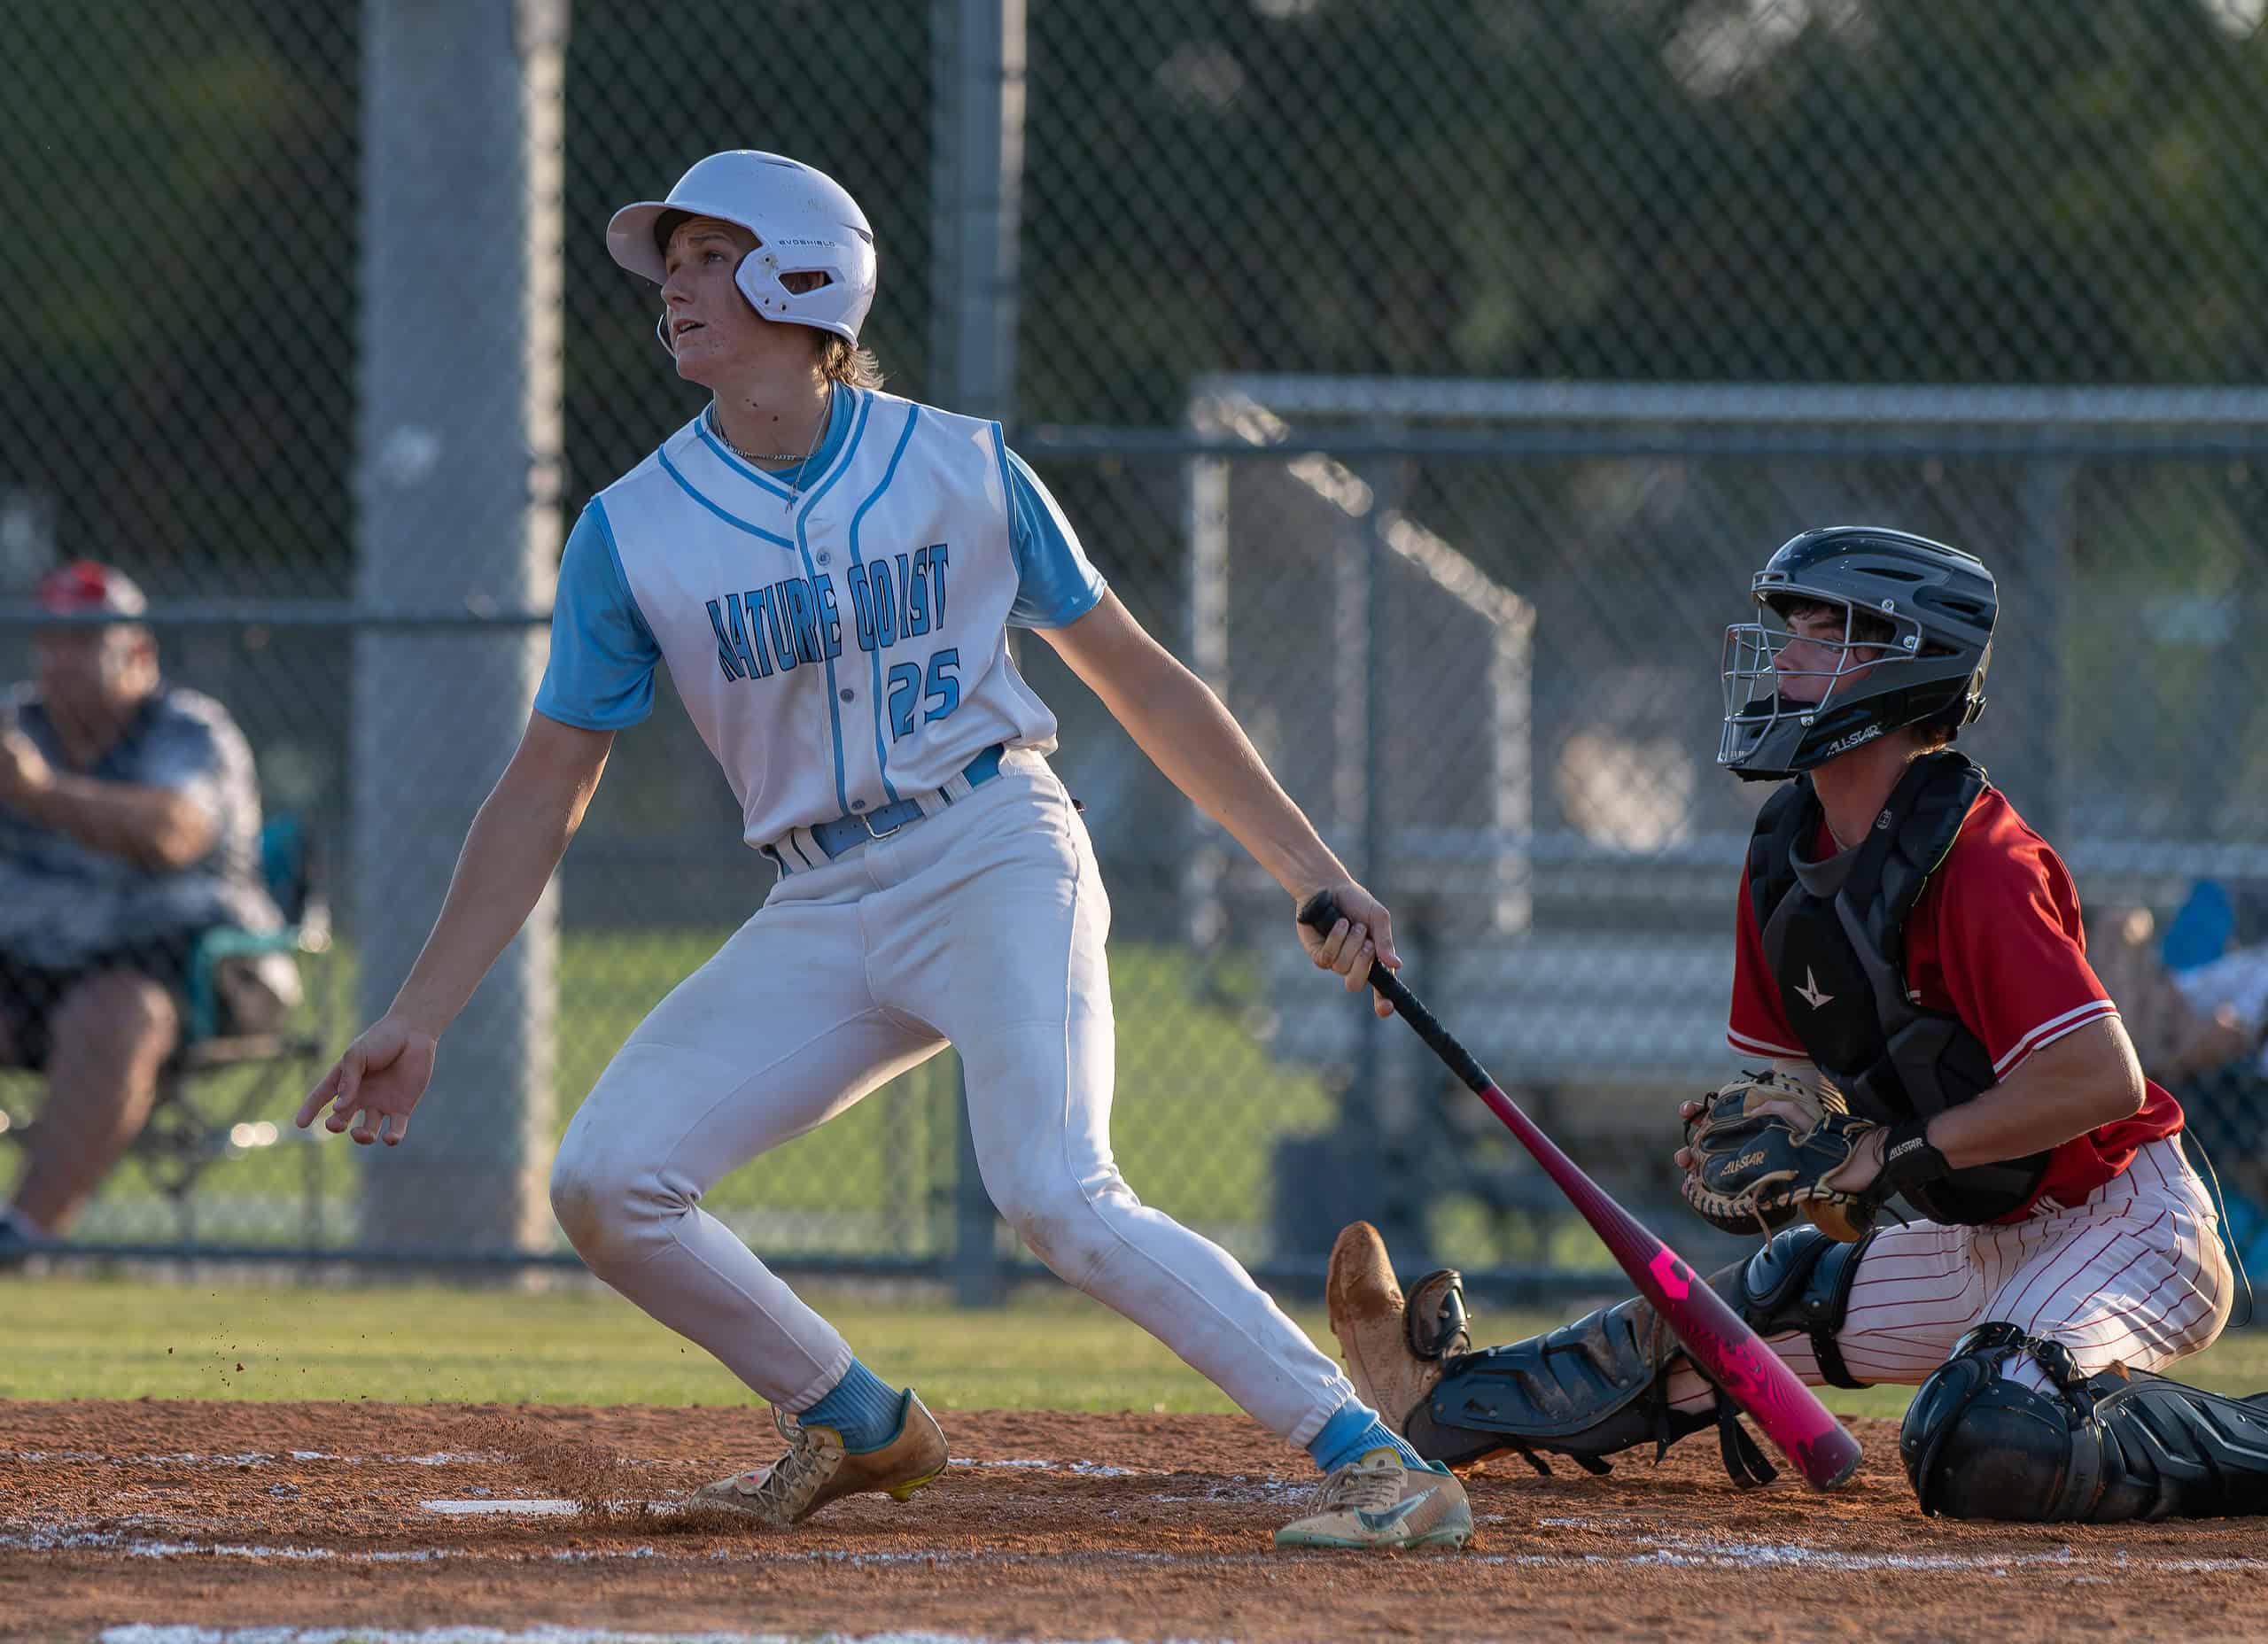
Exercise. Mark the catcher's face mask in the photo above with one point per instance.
(1858, 630)
(1807, 659)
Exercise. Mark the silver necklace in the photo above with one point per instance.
(802, 460)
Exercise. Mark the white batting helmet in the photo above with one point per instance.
(804, 223)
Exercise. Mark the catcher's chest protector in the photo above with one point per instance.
(1839, 958)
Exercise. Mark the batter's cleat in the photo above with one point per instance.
(818, 1470)
(1393, 1347)
(1377, 1503)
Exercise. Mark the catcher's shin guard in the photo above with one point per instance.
(2099, 1449)
(1600, 1385)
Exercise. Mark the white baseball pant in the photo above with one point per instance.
(982, 925)
(2135, 1273)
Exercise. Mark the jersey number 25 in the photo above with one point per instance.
(908, 690)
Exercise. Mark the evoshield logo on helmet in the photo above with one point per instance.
(1915, 640)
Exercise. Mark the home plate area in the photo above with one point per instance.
(173, 1522)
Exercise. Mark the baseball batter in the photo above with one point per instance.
(830, 574)
(1906, 938)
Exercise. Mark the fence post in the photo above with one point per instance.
(977, 69)
(456, 487)
(2050, 524)
(1382, 1086)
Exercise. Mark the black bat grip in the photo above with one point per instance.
(1319, 912)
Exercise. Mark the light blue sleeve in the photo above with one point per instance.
(601, 675)
(1054, 583)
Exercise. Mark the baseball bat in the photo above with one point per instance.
(1725, 1349)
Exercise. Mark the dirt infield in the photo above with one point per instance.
(1048, 1526)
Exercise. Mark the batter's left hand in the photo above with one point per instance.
(1363, 935)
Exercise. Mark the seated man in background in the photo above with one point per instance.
(2176, 1035)
(129, 823)
(2203, 1028)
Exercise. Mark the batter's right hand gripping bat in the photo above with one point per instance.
(1721, 1346)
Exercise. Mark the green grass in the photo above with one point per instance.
(1199, 1103)
(576, 1343)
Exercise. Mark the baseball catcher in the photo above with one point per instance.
(1911, 990)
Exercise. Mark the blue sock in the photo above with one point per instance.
(861, 1406)
(1354, 1431)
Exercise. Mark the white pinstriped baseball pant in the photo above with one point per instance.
(983, 925)
(2135, 1273)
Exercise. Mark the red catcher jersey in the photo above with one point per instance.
(1995, 939)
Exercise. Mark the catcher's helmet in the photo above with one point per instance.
(804, 223)
(1918, 637)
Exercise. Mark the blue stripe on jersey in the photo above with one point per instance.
(804, 546)
(599, 675)
(686, 485)
(1007, 485)
(1055, 585)
(881, 755)
(755, 475)
(782, 483)
(865, 403)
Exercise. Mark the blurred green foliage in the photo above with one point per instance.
(1930, 191)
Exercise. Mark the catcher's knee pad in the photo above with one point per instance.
(1800, 1280)
(2097, 1449)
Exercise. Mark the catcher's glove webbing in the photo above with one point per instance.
(1753, 1171)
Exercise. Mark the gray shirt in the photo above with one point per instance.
(62, 901)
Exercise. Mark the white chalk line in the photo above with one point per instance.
(146, 1633)
(1675, 1552)
(1086, 1470)
(264, 1458)
(491, 1458)
(536, 1507)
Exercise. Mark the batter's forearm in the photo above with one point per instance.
(509, 854)
(1189, 733)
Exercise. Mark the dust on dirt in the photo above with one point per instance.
(1046, 1526)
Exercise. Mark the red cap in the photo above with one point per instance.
(90, 586)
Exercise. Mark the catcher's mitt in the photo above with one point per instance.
(1755, 1171)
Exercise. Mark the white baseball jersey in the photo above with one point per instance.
(838, 632)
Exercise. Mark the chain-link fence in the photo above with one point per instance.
(1377, 351)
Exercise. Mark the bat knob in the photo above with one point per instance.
(1320, 912)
